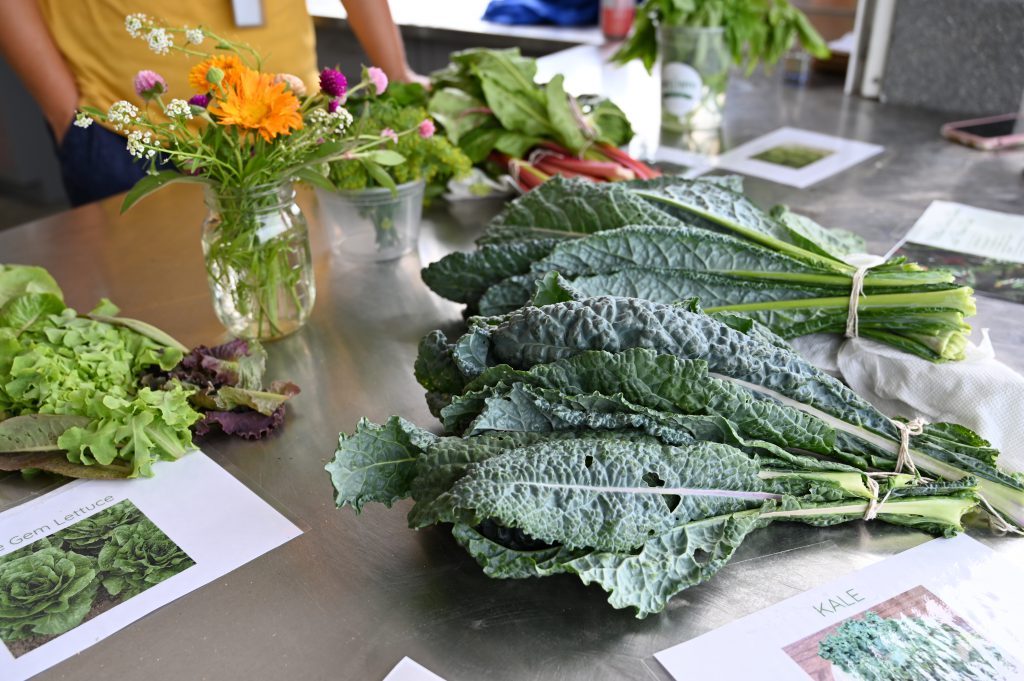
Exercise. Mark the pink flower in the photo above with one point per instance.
(390, 134)
(294, 83)
(427, 128)
(202, 101)
(333, 82)
(379, 79)
(149, 84)
(333, 105)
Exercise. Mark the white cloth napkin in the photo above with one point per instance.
(979, 392)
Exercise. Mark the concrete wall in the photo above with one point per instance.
(961, 56)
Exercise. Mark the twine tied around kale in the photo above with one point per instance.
(856, 291)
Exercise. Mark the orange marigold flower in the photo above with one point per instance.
(230, 64)
(255, 102)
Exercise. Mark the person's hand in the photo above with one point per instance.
(59, 114)
(413, 77)
(29, 49)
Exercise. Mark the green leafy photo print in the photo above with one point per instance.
(54, 584)
(794, 156)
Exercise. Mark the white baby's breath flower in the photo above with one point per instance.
(330, 123)
(194, 36)
(179, 108)
(83, 120)
(342, 119)
(122, 113)
(134, 23)
(138, 141)
(160, 41)
(134, 145)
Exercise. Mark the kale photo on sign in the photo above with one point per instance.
(987, 276)
(878, 648)
(54, 584)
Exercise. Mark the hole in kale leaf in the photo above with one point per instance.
(701, 557)
(510, 537)
(652, 479)
(588, 461)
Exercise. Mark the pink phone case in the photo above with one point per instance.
(952, 132)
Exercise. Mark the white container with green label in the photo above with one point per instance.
(694, 76)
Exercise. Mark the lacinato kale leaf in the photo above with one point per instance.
(642, 519)
(672, 239)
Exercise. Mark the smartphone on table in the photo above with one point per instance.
(994, 132)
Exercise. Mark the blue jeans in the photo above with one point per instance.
(95, 164)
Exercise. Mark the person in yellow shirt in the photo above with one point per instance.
(71, 53)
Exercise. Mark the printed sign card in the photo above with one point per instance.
(798, 158)
(948, 609)
(93, 556)
(983, 248)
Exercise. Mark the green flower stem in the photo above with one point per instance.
(255, 273)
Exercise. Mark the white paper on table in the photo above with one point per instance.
(841, 154)
(215, 519)
(409, 670)
(966, 229)
(957, 580)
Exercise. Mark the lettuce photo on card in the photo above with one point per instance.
(58, 582)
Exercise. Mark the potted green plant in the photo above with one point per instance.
(698, 40)
(375, 212)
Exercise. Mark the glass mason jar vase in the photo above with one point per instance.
(694, 76)
(258, 263)
(373, 224)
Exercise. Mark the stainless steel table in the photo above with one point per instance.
(354, 594)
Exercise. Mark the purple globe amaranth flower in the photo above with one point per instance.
(333, 83)
(149, 84)
(427, 128)
(202, 101)
(333, 105)
(378, 78)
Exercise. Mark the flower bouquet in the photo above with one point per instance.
(246, 135)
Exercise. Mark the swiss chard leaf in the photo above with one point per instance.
(566, 124)
(516, 110)
(459, 112)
